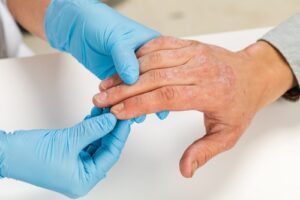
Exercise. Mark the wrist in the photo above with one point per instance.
(277, 74)
(59, 22)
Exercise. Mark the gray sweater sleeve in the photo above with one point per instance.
(286, 39)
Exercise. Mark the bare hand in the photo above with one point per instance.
(228, 87)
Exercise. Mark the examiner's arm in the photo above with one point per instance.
(30, 14)
(286, 39)
(103, 40)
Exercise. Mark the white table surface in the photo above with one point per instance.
(54, 91)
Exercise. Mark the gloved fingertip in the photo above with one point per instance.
(127, 122)
(163, 115)
(96, 112)
(108, 121)
(140, 119)
(126, 63)
(106, 110)
(130, 121)
(129, 77)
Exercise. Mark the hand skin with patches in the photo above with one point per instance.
(228, 87)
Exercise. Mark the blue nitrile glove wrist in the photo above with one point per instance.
(58, 159)
(2, 146)
(103, 40)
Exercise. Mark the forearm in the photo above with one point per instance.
(30, 14)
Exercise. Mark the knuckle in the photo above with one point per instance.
(143, 63)
(156, 57)
(168, 93)
(207, 155)
(178, 42)
(203, 156)
(202, 49)
(175, 54)
(157, 42)
(157, 75)
(135, 101)
(117, 91)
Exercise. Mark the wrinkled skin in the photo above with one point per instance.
(228, 87)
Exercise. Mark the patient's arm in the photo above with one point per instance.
(228, 87)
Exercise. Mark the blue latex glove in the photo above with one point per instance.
(59, 159)
(100, 38)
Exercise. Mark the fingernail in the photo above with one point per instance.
(101, 97)
(118, 108)
(106, 84)
(194, 167)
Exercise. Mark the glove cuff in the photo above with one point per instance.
(61, 19)
(2, 145)
(55, 24)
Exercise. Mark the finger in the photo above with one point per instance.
(126, 63)
(163, 43)
(140, 119)
(109, 152)
(204, 149)
(115, 80)
(147, 82)
(94, 112)
(165, 59)
(155, 60)
(162, 115)
(92, 148)
(174, 98)
(110, 82)
(91, 130)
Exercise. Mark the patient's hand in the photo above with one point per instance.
(228, 87)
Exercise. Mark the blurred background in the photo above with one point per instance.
(194, 17)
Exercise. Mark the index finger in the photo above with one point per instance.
(163, 43)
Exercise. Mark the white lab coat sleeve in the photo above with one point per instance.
(13, 45)
(3, 49)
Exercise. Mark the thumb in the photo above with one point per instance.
(204, 149)
(112, 145)
(92, 129)
(126, 63)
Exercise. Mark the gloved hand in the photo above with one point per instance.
(97, 36)
(100, 38)
(59, 160)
